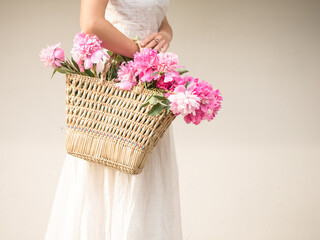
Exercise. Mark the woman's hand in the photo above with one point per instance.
(158, 40)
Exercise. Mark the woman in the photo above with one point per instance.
(96, 202)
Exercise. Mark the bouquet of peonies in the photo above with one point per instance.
(184, 95)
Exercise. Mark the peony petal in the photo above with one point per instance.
(59, 53)
(87, 63)
(168, 78)
(58, 63)
(100, 66)
(180, 88)
(96, 56)
(126, 85)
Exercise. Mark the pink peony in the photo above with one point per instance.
(211, 113)
(52, 55)
(205, 91)
(183, 80)
(126, 76)
(167, 65)
(162, 84)
(177, 81)
(148, 62)
(145, 63)
(210, 103)
(87, 50)
(184, 101)
(196, 118)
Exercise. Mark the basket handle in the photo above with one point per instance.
(106, 67)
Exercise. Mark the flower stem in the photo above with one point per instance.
(169, 91)
(94, 69)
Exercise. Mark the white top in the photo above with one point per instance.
(136, 17)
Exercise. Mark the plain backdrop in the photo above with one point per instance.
(250, 174)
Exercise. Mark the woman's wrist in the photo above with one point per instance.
(136, 47)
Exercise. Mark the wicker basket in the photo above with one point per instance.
(107, 125)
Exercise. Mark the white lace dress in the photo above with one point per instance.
(95, 202)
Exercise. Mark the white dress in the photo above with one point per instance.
(95, 202)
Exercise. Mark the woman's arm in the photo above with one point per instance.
(164, 35)
(92, 21)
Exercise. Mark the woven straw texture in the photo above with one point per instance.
(107, 125)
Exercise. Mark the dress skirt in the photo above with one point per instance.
(95, 202)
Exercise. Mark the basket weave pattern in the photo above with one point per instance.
(107, 125)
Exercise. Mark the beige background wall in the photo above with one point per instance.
(250, 174)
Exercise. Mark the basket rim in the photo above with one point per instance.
(109, 83)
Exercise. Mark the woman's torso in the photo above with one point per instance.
(136, 17)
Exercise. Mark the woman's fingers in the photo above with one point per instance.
(151, 44)
(155, 41)
(148, 39)
(160, 45)
(164, 48)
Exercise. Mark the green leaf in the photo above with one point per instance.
(162, 103)
(63, 64)
(54, 71)
(127, 59)
(71, 67)
(160, 97)
(155, 73)
(181, 71)
(166, 110)
(64, 70)
(119, 58)
(114, 74)
(155, 110)
(60, 70)
(75, 64)
(153, 100)
(150, 97)
(87, 71)
(167, 102)
(144, 104)
(187, 84)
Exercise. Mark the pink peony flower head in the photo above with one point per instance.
(52, 56)
(146, 62)
(168, 62)
(87, 50)
(163, 85)
(126, 76)
(196, 118)
(184, 101)
(167, 66)
(210, 103)
(183, 80)
(177, 81)
(216, 105)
